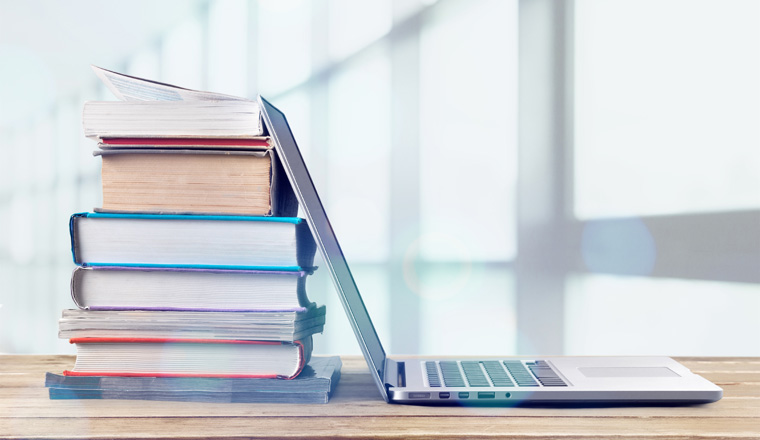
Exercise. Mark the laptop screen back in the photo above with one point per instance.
(327, 243)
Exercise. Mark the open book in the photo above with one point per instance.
(132, 88)
(155, 110)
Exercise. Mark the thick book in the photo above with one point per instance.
(147, 119)
(199, 241)
(315, 384)
(257, 326)
(178, 181)
(188, 289)
(175, 357)
(149, 109)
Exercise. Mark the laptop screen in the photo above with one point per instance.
(327, 243)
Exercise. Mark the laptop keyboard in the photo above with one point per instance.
(451, 375)
(492, 373)
(521, 374)
(474, 374)
(545, 374)
(496, 373)
(432, 374)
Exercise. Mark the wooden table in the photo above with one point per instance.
(357, 411)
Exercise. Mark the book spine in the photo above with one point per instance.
(306, 247)
(301, 361)
(75, 280)
(282, 198)
(72, 233)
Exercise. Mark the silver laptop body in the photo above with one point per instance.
(486, 380)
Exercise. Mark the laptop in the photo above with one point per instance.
(507, 380)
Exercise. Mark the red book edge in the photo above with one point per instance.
(186, 141)
(301, 357)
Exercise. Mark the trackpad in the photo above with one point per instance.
(627, 372)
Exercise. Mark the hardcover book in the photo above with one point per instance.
(200, 241)
(188, 289)
(174, 357)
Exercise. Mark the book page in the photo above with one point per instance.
(131, 88)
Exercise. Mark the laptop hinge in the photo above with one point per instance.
(395, 373)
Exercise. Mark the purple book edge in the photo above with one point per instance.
(182, 309)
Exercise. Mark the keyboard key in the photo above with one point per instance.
(496, 373)
(432, 374)
(474, 374)
(546, 375)
(520, 374)
(553, 384)
(451, 374)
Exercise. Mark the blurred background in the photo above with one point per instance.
(532, 176)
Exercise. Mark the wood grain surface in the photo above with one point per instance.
(357, 411)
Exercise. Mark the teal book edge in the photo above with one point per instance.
(292, 220)
(200, 266)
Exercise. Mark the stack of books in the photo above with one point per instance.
(191, 278)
